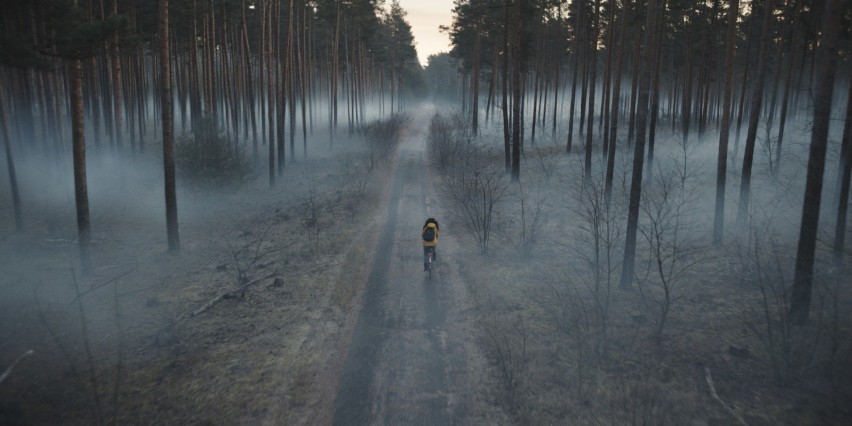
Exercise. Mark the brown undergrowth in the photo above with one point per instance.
(262, 355)
(568, 346)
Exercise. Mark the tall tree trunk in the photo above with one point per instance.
(281, 95)
(584, 48)
(655, 90)
(556, 89)
(607, 80)
(616, 101)
(334, 72)
(505, 101)
(788, 82)
(250, 89)
(571, 109)
(195, 93)
(844, 172)
(800, 300)
(289, 80)
(10, 162)
(634, 85)
(168, 125)
(271, 97)
(303, 59)
(475, 80)
(754, 117)
(686, 107)
(491, 87)
(743, 90)
(516, 92)
(645, 71)
(78, 132)
(117, 86)
(725, 128)
(593, 46)
(709, 68)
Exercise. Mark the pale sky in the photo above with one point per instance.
(425, 16)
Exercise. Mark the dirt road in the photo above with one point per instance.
(409, 359)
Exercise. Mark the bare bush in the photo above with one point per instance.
(89, 370)
(476, 191)
(548, 159)
(207, 158)
(601, 227)
(508, 345)
(531, 217)
(450, 139)
(311, 209)
(815, 352)
(383, 136)
(470, 179)
(769, 147)
(671, 253)
(248, 251)
(763, 267)
(581, 314)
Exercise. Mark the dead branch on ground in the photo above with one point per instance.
(238, 292)
(709, 378)
(11, 367)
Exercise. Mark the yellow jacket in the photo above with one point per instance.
(433, 243)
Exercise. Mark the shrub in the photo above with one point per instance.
(450, 139)
(383, 136)
(208, 158)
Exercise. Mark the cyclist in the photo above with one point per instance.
(430, 241)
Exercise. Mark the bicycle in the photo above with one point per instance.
(429, 254)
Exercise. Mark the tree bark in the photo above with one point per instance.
(754, 115)
(10, 162)
(572, 108)
(505, 101)
(639, 148)
(78, 132)
(168, 125)
(475, 90)
(655, 89)
(725, 128)
(516, 92)
(593, 47)
(117, 87)
(788, 82)
(616, 103)
(826, 62)
(844, 172)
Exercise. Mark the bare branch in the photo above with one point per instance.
(11, 367)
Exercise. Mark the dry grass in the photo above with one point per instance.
(266, 358)
(608, 365)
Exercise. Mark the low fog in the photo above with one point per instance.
(310, 148)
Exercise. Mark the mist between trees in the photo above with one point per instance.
(657, 99)
(746, 72)
(623, 125)
(245, 73)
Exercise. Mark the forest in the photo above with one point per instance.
(210, 212)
